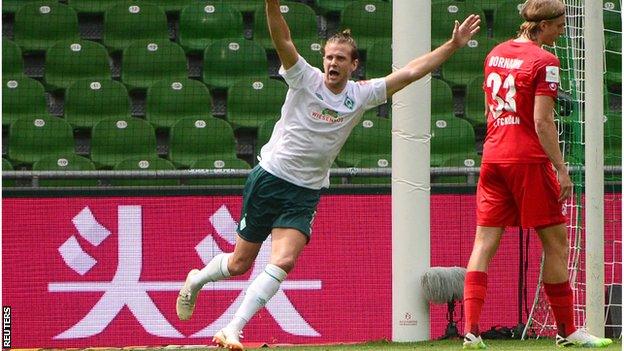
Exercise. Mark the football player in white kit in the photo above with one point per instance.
(281, 193)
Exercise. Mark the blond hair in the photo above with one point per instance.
(344, 37)
(536, 11)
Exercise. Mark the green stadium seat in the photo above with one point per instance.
(450, 137)
(465, 161)
(245, 5)
(301, 21)
(192, 139)
(144, 164)
(203, 23)
(475, 103)
(39, 25)
(89, 101)
(22, 97)
(145, 63)
(331, 6)
(311, 51)
(70, 162)
(444, 15)
(467, 62)
(11, 6)
(371, 136)
(171, 6)
(33, 138)
(250, 102)
(129, 21)
(228, 60)
(379, 59)
(441, 98)
(168, 101)
(68, 61)
(217, 162)
(12, 61)
(91, 6)
(507, 20)
(7, 166)
(114, 140)
(374, 161)
(369, 21)
(264, 133)
(613, 138)
(612, 17)
(613, 55)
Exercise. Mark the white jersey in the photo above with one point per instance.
(314, 125)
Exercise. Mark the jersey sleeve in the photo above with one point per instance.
(373, 92)
(547, 76)
(297, 75)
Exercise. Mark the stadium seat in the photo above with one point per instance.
(22, 97)
(507, 20)
(444, 15)
(311, 51)
(301, 21)
(93, 7)
(215, 163)
(613, 138)
(39, 25)
(450, 137)
(145, 63)
(245, 5)
(441, 98)
(467, 63)
(462, 160)
(11, 6)
(146, 164)
(33, 138)
(264, 134)
(69, 162)
(171, 6)
(89, 101)
(68, 61)
(370, 137)
(171, 100)
(129, 21)
(474, 103)
(379, 59)
(228, 60)
(201, 24)
(250, 102)
(369, 21)
(114, 140)
(7, 166)
(613, 55)
(12, 61)
(331, 6)
(192, 139)
(374, 161)
(612, 17)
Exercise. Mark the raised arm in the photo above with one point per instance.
(280, 34)
(548, 137)
(423, 65)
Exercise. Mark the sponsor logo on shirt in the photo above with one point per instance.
(552, 74)
(328, 115)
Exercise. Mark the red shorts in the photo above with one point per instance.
(514, 194)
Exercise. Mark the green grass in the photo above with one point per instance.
(454, 345)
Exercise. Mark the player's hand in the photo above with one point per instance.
(565, 183)
(464, 32)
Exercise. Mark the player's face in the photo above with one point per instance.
(338, 65)
(551, 30)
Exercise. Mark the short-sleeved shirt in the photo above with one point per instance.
(515, 72)
(315, 124)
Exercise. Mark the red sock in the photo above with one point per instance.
(475, 287)
(560, 298)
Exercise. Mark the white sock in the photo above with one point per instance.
(214, 271)
(259, 292)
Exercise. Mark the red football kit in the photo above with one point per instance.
(517, 184)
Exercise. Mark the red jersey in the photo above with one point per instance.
(515, 72)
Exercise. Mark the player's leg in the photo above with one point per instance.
(485, 246)
(557, 288)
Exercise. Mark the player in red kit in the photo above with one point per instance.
(523, 179)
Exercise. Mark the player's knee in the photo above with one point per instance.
(285, 263)
(239, 265)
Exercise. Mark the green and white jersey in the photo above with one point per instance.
(314, 125)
